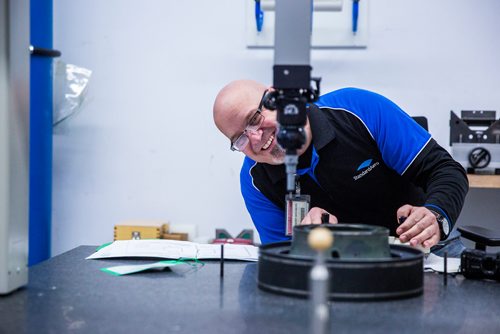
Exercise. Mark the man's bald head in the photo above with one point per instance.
(234, 103)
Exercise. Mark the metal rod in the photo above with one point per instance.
(222, 260)
(445, 277)
(319, 295)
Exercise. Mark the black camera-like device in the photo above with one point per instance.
(478, 264)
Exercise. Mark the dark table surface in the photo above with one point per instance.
(68, 294)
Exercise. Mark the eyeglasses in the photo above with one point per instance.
(253, 125)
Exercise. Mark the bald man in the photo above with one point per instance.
(364, 161)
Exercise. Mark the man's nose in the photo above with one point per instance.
(255, 136)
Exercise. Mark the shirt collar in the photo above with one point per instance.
(322, 133)
(322, 129)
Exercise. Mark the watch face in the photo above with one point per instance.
(446, 226)
(443, 223)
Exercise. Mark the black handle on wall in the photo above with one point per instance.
(36, 51)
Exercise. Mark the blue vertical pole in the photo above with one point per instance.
(40, 134)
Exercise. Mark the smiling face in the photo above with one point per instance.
(235, 106)
(262, 144)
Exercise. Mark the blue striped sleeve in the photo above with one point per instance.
(269, 220)
(399, 138)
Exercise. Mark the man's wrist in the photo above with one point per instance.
(443, 223)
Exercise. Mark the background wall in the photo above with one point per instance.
(144, 146)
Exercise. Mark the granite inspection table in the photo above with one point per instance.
(68, 294)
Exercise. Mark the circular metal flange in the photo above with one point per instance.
(398, 276)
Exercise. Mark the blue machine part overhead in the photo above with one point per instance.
(259, 16)
(292, 79)
(40, 131)
(355, 13)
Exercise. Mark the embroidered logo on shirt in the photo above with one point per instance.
(367, 167)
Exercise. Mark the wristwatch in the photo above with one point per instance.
(444, 224)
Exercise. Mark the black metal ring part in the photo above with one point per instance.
(399, 276)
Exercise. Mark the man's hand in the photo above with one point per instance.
(420, 226)
(314, 217)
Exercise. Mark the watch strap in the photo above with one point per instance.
(443, 223)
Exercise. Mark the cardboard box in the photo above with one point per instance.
(139, 229)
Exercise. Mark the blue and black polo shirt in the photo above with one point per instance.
(367, 159)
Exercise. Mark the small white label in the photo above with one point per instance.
(297, 207)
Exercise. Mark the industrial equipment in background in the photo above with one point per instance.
(222, 236)
(475, 141)
(337, 24)
(14, 143)
(292, 79)
(477, 263)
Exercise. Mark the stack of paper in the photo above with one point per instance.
(173, 249)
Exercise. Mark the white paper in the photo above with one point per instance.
(432, 262)
(231, 252)
(173, 249)
(133, 268)
(436, 263)
(396, 241)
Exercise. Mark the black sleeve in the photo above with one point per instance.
(443, 180)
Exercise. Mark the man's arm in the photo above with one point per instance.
(269, 220)
(445, 183)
